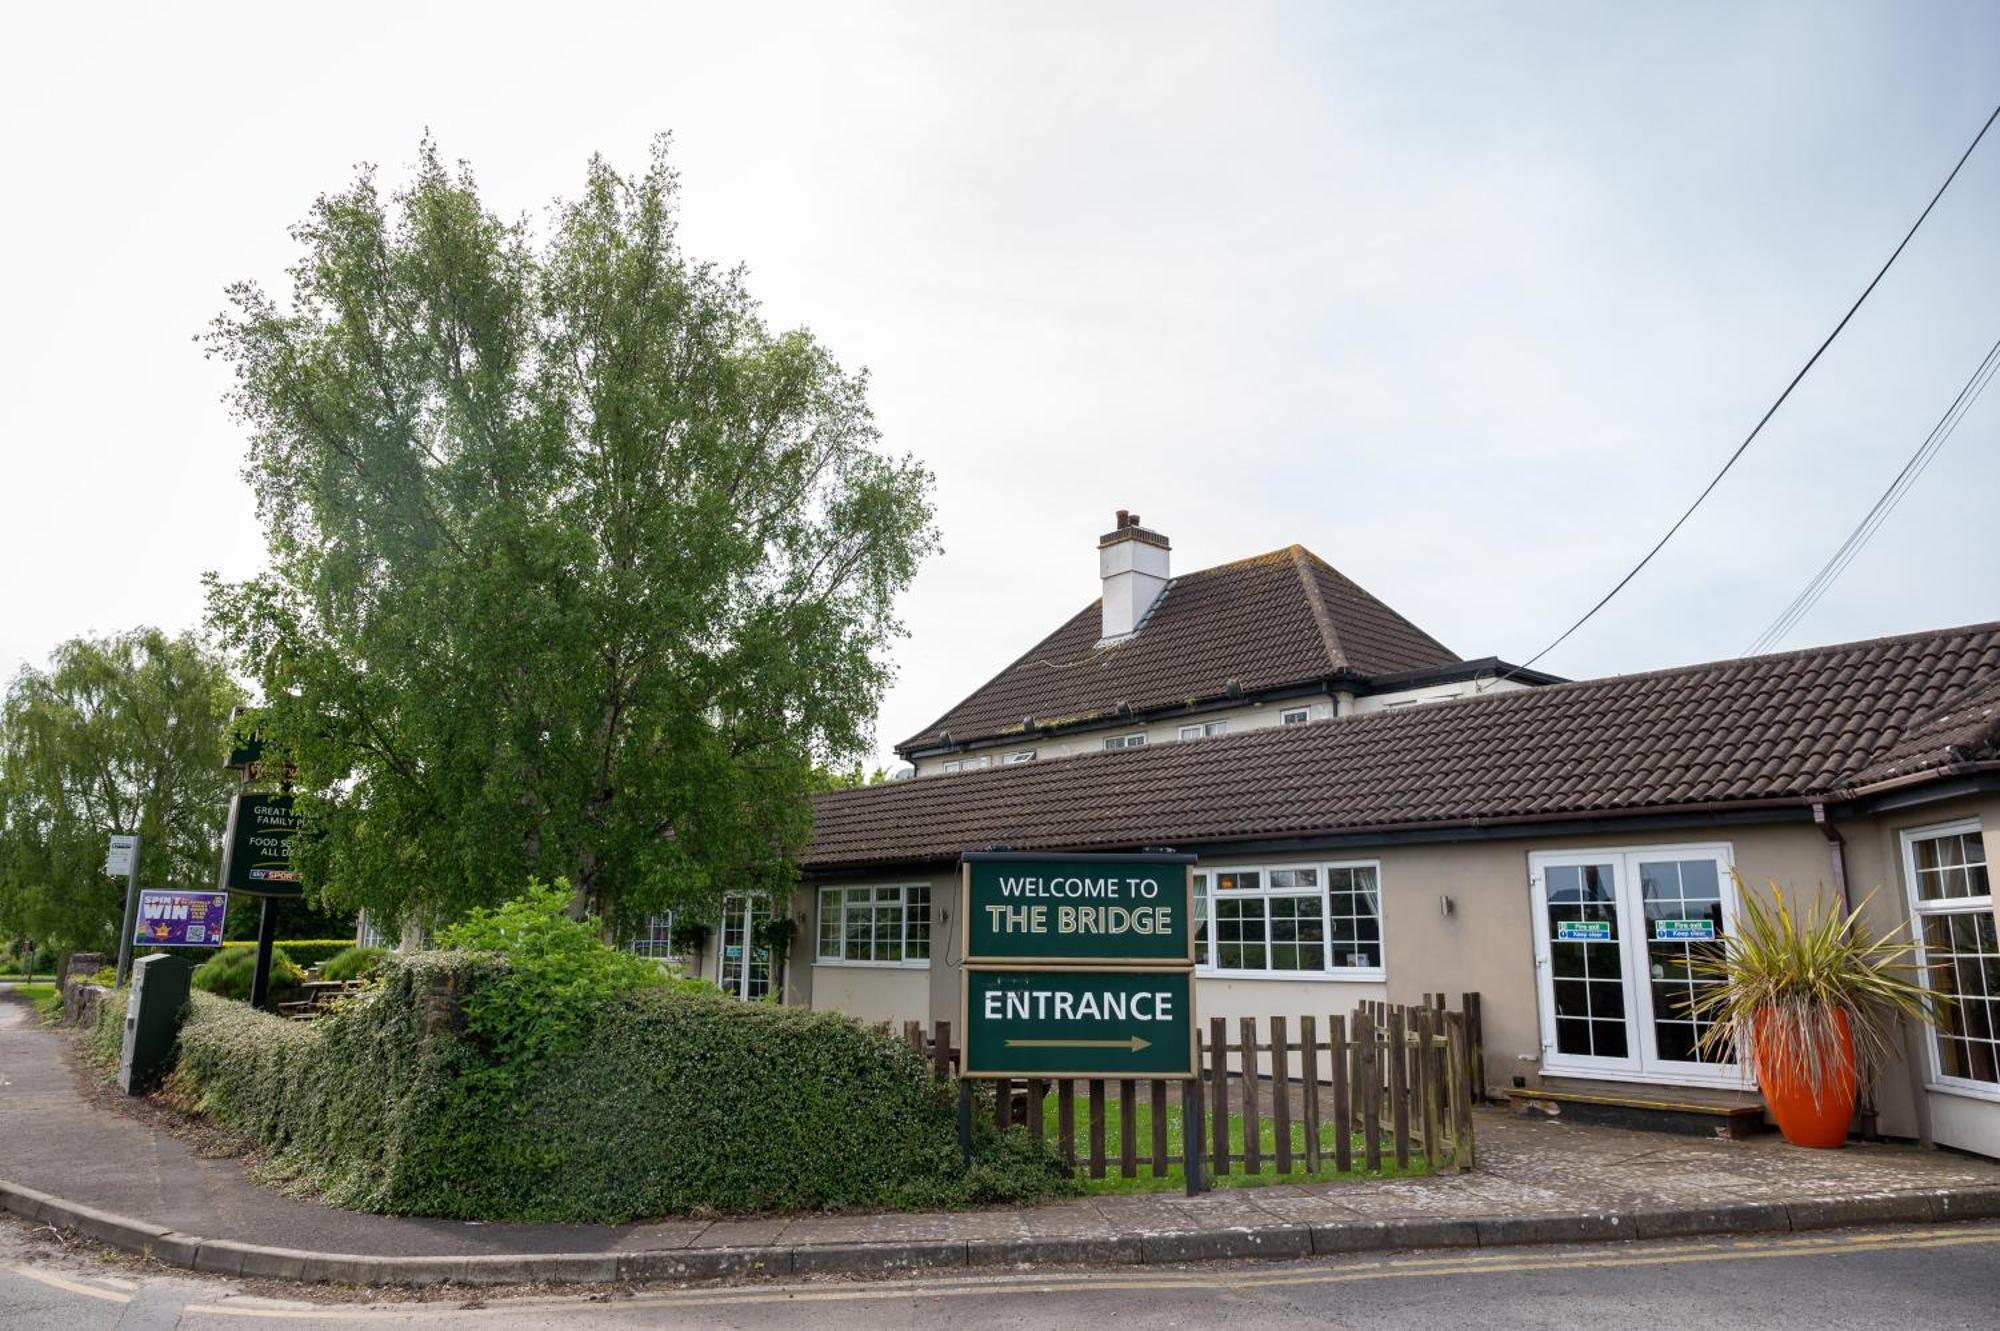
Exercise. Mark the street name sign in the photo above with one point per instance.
(1078, 1021)
(181, 919)
(257, 852)
(1125, 910)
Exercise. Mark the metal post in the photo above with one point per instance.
(1191, 1135)
(131, 914)
(965, 1121)
(267, 934)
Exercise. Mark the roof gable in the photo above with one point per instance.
(1273, 621)
(1822, 723)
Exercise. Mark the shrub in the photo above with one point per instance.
(303, 951)
(229, 972)
(653, 1100)
(353, 964)
(104, 975)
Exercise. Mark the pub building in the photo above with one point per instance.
(1374, 817)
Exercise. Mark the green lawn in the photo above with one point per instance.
(44, 997)
(1173, 1181)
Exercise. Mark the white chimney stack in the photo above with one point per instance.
(1132, 561)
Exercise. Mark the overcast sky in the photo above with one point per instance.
(1468, 299)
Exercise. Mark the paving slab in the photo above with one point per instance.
(73, 1152)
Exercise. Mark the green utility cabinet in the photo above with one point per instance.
(152, 1020)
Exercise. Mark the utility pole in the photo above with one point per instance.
(129, 845)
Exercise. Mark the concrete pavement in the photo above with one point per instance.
(68, 1141)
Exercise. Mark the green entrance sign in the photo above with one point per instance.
(1078, 1021)
(257, 852)
(1131, 910)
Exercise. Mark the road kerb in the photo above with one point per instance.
(1277, 1241)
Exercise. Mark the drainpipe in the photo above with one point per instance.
(1836, 848)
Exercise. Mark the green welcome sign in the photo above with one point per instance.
(1079, 909)
(257, 852)
(1078, 1021)
(1077, 965)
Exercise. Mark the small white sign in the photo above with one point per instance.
(118, 860)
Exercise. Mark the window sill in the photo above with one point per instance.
(873, 965)
(1372, 976)
(1966, 1090)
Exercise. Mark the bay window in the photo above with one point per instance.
(1951, 901)
(875, 926)
(1299, 920)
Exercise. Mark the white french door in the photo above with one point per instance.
(743, 969)
(1615, 933)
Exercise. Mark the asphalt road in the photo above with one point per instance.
(1933, 1278)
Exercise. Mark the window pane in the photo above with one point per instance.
(1353, 918)
(1240, 938)
(829, 924)
(1963, 955)
(1201, 953)
(917, 924)
(1951, 867)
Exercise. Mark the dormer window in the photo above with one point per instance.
(1295, 716)
(1204, 729)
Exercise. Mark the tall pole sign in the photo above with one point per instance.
(123, 858)
(258, 847)
(1079, 966)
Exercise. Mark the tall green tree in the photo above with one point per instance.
(120, 734)
(578, 569)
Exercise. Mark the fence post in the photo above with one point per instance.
(1399, 1084)
(941, 1050)
(1253, 1130)
(1427, 1085)
(1338, 1052)
(1003, 1104)
(1191, 1135)
(1158, 1093)
(1309, 1088)
(1066, 1119)
(1475, 1036)
(1128, 1128)
(1218, 1091)
(1037, 1089)
(1281, 1094)
(1097, 1127)
(1464, 1154)
(1370, 1088)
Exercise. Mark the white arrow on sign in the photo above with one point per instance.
(1133, 1043)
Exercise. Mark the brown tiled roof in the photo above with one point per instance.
(1276, 620)
(1822, 723)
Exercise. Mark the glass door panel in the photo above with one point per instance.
(1685, 922)
(1585, 977)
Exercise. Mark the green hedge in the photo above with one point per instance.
(231, 972)
(671, 1101)
(306, 952)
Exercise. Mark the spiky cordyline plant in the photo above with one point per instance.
(1779, 977)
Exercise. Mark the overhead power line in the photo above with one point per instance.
(1757, 429)
(1802, 604)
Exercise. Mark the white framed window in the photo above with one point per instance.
(1295, 716)
(1294, 920)
(655, 939)
(968, 764)
(875, 926)
(1125, 742)
(366, 934)
(1023, 756)
(1204, 729)
(1951, 902)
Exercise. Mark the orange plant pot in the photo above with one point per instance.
(1809, 1119)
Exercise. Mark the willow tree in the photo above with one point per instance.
(121, 734)
(577, 568)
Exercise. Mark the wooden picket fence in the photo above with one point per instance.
(1384, 1085)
